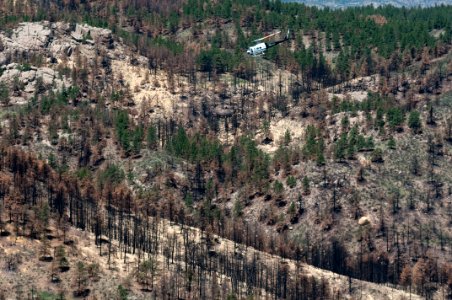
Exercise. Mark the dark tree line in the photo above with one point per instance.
(126, 228)
(119, 219)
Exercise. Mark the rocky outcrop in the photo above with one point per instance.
(54, 39)
(26, 80)
(33, 55)
(28, 37)
(53, 44)
(47, 75)
(10, 73)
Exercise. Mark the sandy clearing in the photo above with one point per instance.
(144, 89)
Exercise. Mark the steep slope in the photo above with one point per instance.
(71, 262)
(317, 152)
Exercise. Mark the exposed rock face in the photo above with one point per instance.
(29, 37)
(47, 75)
(91, 34)
(9, 75)
(37, 57)
(28, 76)
(53, 43)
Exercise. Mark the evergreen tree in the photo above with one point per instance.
(4, 94)
(340, 147)
(152, 140)
(414, 121)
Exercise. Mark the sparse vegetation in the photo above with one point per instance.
(151, 157)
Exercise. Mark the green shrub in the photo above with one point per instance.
(278, 187)
(291, 182)
(414, 121)
(306, 185)
(377, 155)
(391, 143)
(112, 174)
(395, 117)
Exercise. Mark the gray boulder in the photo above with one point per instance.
(30, 36)
(47, 75)
(9, 75)
(3, 59)
(28, 76)
(30, 88)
